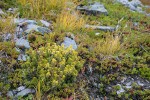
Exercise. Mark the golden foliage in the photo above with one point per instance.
(40, 8)
(68, 21)
(109, 46)
(7, 25)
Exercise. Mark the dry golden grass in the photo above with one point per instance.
(67, 21)
(109, 46)
(40, 8)
(146, 2)
(7, 25)
(38, 94)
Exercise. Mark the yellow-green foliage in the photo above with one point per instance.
(7, 25)
(109, 46)
(9, 49)
(40, 8)
(52, 65)
(68, 21)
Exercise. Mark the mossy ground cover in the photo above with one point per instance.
(104, 59)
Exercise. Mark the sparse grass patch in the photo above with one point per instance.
(109, 46)
(40, 8)
(69, 22)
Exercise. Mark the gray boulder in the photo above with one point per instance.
(22, 43)
(134, 5)
(69, 42)
(33, 27)
(95, 9)
(28, 26)
(22, 57)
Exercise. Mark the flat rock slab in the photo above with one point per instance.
(102, 28)
(95, 9)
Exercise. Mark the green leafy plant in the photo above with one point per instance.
(54, 66)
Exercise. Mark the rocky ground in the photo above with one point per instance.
(109, 57)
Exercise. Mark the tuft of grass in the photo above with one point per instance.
(109, 46)
(7, 25)
(69, 22)
(40, 8)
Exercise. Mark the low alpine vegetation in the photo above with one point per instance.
(55, 67)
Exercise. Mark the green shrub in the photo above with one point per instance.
(54, 66)
(8, 63)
